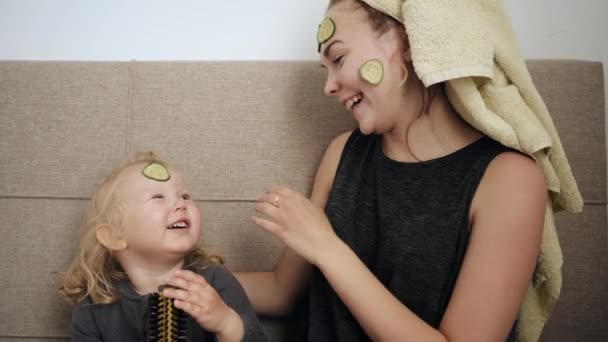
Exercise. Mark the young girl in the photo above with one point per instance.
(141, 236)
(419, 227)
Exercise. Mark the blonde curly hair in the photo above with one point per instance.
(94, 269)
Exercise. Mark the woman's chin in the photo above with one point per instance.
(366, 129)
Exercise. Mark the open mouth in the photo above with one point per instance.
(353, 101)
(179, 224)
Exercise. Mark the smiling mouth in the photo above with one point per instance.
(353, 101)
(181, 224)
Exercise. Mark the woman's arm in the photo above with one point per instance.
(274, 293)
(508, 213)
(507, 218)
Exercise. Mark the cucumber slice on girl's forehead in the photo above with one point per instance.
(156, 171)
(326, 30)
(372, 71)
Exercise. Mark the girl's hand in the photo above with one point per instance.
(296, 221)
(201, 301)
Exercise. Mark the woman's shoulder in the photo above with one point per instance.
(504, 163)
(511, 179)
(346, 141)
(330, 160)
(514, 166)
(337, 144)
(327, 168)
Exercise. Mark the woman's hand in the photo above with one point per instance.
(296, 221)
(200, 300)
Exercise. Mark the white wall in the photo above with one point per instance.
(159, 30)
(250, 30)
(247, 29)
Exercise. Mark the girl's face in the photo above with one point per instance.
(354, 42)
(161, 219)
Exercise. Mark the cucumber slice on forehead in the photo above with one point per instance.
(372, 71)
(326, 30)
(156, 171)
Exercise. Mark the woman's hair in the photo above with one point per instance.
(95, 268)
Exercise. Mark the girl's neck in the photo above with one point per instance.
(147, 277)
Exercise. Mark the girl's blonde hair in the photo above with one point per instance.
(94, 269)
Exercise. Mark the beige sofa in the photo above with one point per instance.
(234, 128)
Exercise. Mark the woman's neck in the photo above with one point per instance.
(431, 135)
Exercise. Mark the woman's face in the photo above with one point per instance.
(375, 107)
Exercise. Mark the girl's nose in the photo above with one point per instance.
(180, 205)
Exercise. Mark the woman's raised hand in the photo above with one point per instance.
(296, 221)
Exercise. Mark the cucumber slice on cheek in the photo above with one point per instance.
(372, 71)
(156, 171)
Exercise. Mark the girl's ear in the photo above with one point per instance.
(110, 238)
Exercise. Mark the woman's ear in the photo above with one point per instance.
(110, 238)
(407, 55)
(407, 51)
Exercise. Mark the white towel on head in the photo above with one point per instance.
(470, 45)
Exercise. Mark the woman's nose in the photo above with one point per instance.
(331, 85)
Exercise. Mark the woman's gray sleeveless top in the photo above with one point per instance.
(408, 222)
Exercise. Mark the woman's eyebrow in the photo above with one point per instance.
(328, 47)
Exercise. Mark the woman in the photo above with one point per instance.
(431, 230)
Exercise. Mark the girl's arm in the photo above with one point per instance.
(507, 216)
(274, 293)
